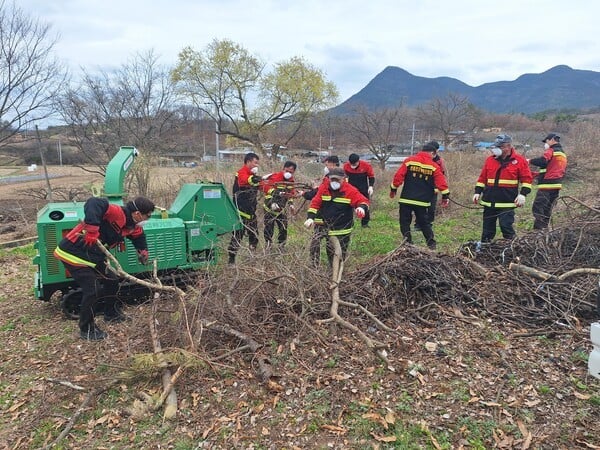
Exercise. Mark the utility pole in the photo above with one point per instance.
(59, 147)
(412, 140)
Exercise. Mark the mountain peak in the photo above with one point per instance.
(559, 87)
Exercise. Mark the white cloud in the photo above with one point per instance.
(476, 41)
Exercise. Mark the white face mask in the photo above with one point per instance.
(254, 170)
(325, 170)
(335, 185)
(546, 146)
(142, 223)
(287, 175)
(354, 166)
(496, 151)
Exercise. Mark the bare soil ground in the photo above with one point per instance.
(460, 381)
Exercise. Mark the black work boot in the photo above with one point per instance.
(116, 317)
(92, 333)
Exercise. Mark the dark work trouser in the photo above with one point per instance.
(431, 209)
(365, 220)
(405, 218)
(542, 207)
(90, 280)
(320, 232)
(270, 221)
(506, 219)
(248, 225)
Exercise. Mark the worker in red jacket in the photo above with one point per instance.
(109, 224)
(497, 188)
(245, 192)
(360, 174)
(279, 194)
(419, 176)
(336, 202)
(553, 165)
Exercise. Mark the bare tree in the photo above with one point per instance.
(233, 87)
(379, 130)
(30, 76)
(454, 112)
(131, 106)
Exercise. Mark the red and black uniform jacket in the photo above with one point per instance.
(360, 177)
(336, 208)
(440, 162)
(245, 190)
(553, 165)
(278, 191)
(499, 180)
(115, 223)
(420, 176)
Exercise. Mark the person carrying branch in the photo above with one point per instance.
(553, 165)
(245, 192)
(497, 188)
(279, 192)
(108, 224)
(336, 202)
(320, 231)
(419, 176)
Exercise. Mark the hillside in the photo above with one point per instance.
(560, 87)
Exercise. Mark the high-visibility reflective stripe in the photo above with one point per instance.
(498, 205)
(414, 202)
(244, 215)
(270, 211)
(550, 186)
(418, 164)
(312, 210)
(542, 171)
(393, 187)
(526, 185)
(501, 181)
(479, 184)
(340, 232)
(343, 200)
(319, 221)
(560, 154)
(326, 198)
(446, 191)
(72, 259)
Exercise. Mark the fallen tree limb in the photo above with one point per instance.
(119, 271)
(338, 269)
(73, 420)
(545, 276)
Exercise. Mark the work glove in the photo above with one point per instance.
(91, 234)
(292, 209)
(392, 193)
(445, 202)
(476, 198)
(360, 212)
(520, 200)
(143, 256)
(308, 223)
(275, 207)
(370, 191)
(266, 177)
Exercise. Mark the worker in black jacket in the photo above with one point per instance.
(107, 223)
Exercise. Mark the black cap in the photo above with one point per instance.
(436, 144)
(353, 158)
(333, 159)
(336, 172)
(549, 136)
(429, 147)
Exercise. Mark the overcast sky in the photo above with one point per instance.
(475, 41)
